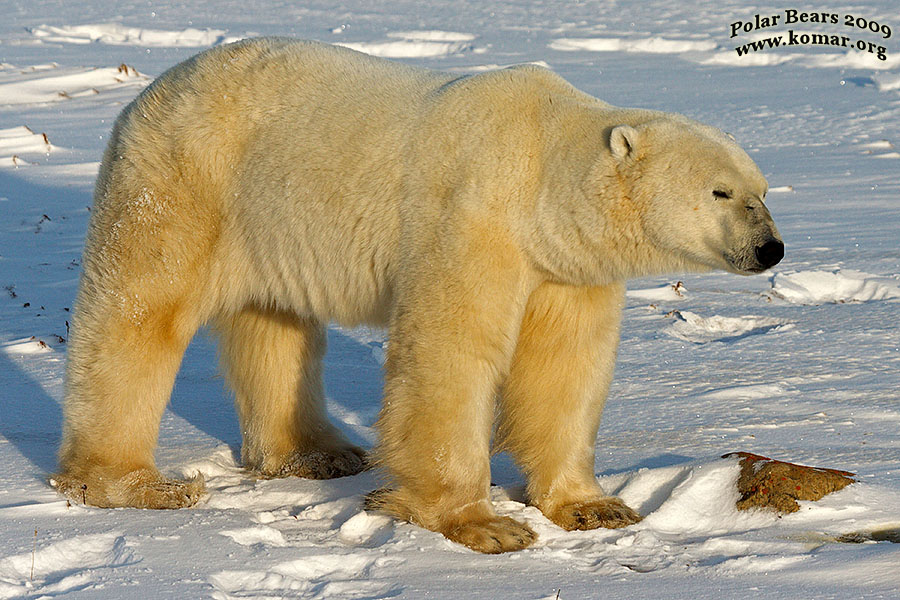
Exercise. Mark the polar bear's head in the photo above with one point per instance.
(701, 198)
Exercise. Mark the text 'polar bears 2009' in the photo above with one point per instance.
(842, 36)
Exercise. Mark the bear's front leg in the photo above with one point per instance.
(452, 337)
(553, 399)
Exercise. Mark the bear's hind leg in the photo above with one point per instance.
(120, 374)
(273, 361)
(554, 396)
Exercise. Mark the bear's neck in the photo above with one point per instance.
(589, 218)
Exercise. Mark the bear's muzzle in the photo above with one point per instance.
(770, 253)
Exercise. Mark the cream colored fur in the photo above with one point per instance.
(272, 186)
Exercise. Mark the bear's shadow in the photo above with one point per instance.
(353, 388)
(34, 424)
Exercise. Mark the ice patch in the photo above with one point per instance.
(433, 36)
(30, 345)
(670, 291)
(33, 510)
(120, 35)
(887, 81)
(267, 536)
(703, 500)
(19, 140)
(81, 172)
(651, 45)
(872, 147)
(757, 564)
(495, 67)
(16, 141)
(62, 567)
(335, 511)
(365, 529)
(416, 44)
(852, 59)
(56, 85)
(757, 59)
(879, 145)
(844, 60)
(824, 287)
(220, 463)
(330, 575)
(746, 392)
(256, 496)
(408, 48)
(691, 327)
(14, 161)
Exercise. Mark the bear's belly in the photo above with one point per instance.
(329, 273)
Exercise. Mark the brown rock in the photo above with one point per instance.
(768, 483)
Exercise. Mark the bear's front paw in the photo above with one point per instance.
(608, 512)
(493, 536)
(324, 463)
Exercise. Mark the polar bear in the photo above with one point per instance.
(272, 186)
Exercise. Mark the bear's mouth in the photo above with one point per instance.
(744, 266)
(739, 265)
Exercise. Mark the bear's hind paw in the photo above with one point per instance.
(608, 512)
(324, 463)
(141, 488)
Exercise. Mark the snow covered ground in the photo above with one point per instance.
(801, 364)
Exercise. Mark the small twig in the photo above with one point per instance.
(33, 551)
(84, 494)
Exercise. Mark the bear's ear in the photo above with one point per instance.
(623, 141)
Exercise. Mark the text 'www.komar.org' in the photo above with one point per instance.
(793, 38)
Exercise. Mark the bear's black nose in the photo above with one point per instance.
(770, 253)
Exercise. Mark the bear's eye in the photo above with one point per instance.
(721, 194)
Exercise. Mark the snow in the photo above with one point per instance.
(819, 287)
(409, 48)
(668, 291)
(63, 566)
(119, 35)
(652, 45)
(692, 327)
(417, 44)
(56, 85)
(801, 364)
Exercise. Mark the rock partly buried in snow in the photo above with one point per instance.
(768, 483)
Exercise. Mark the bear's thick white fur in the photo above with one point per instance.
(272, 186)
